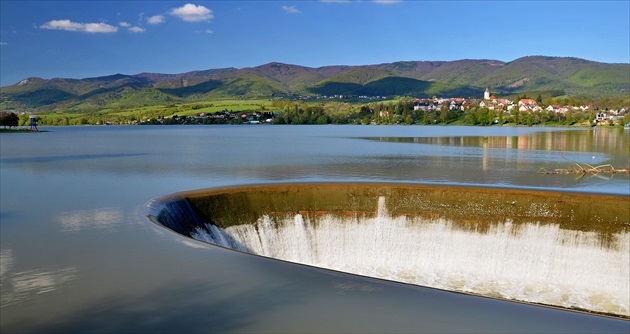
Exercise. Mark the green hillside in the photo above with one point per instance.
(330, 88)
(192, 90)
(547, 76)
(41, 97)
(247, 88)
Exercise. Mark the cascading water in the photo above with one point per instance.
(533, 262)
(569, 250)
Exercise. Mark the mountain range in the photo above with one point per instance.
(532, 75)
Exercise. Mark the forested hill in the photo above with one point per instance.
(535, 75)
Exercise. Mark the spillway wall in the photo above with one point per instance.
(564, 249)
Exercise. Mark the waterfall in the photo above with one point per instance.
(533, 262)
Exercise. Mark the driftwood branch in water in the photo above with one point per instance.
(608, 169)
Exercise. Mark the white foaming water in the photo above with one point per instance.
(528, 262)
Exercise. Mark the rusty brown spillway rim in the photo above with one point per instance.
(468, 206)
(466, 188)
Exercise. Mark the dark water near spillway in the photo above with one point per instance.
(77, 253)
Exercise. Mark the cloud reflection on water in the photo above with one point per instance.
(100, 218)
(24, 285)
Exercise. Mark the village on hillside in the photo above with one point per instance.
(524, 105)
(376, 109)
(338, 109)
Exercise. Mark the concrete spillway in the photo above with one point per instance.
(563, 249)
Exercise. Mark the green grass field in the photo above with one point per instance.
(187, 109)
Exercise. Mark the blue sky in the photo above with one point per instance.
(80, 39)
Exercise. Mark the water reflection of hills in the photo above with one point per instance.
(611, 140)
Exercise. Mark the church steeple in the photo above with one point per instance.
(486, 94)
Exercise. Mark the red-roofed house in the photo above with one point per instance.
(528, 102)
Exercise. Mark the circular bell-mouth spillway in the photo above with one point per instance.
(569, 250)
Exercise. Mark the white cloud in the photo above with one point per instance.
(68, 25)
(131, 28)
(290, 9)
(192, 13)
(156, 19)
(3, 43)
(99, 27)
(136, 29)
(63, 25)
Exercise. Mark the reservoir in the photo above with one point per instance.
(79, 254)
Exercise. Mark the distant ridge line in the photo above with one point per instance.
(464, 78)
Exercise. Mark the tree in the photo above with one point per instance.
(9, 120)
(427, 117)
(544, 116)
(323, 119)
(471, 116)
(24, 120)
(444, 114)
(515, 115)
(528, 119)
(569, 120)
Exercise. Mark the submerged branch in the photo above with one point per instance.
(608, 168)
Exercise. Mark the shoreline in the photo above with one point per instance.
(20, 130)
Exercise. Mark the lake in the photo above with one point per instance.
(78, 253)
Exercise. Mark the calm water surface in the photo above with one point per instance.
(77, 253)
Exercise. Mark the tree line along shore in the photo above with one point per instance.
(520, 111)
